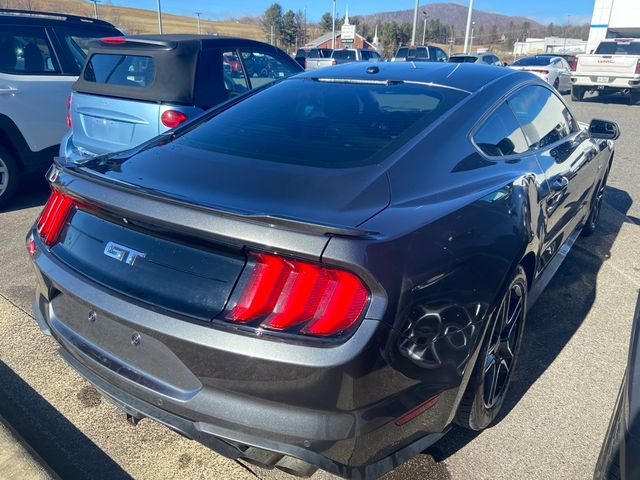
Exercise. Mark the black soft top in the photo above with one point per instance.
(175, 59)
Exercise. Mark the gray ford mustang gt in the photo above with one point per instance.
(326, 273)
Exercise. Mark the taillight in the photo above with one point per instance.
(54, 217)
(285, 294)
(333, 61)
(536, 70)
(172, 118)
(113, 40)
(638, 68)
(574, 64)
(69, 111)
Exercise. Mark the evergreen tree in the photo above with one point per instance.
(273, 18)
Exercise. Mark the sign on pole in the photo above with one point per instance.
(348, 34)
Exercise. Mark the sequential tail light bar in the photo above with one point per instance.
(286, 294)
(54, 217)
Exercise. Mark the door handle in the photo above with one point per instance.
(559, 184)
(8, 90)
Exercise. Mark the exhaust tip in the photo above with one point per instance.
(296, 467)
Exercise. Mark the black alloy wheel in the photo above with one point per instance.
(493, 372)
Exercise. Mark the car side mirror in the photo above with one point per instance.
(603, 129)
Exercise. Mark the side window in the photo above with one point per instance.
(422, 53)
(440, 55)
(263, 68)
(366, 54)
(26, 51)
(543, 116)
(235, 82)
(500, 135)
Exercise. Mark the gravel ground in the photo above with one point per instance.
(574, 348)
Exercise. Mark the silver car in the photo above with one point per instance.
(132, 89)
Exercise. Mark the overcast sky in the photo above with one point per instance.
(544, 11)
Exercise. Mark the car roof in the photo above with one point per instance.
(477, 55)
(468, 77)
(37, 18)
(173, 40)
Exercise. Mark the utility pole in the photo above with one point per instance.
(466, 34)
(424, 28)
(197, 14)
(566, 30)
(272, 34)
(159, 18)
(473, 26)
(333, 27)
(95, 8)
(415, 23)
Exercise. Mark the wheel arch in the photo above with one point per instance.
(12, 139)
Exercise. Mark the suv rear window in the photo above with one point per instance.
(122, 70)
(323, 123)
(618, 48)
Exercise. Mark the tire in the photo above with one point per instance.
(9, 176)
(556, 84)
(577, 94)
(493, 371)
(596, 205)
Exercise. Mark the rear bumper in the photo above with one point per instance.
(614, 82)
(333, 408)
(70, 152)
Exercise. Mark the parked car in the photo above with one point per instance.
(569, 58)
(136, 87)
(553, 70)
(41, 55)
(620, 454)
(486, 58)
(420, 53)
(334, 309)
(346, 55)
(614, 67)
(316, 57)
(304, 54)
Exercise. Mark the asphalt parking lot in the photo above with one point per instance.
(574, 354)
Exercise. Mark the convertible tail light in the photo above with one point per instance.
(172, 118)
(54, 217)
(69, 111)
(285, 294)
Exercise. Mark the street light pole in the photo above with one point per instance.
(95, 8)
(333, 27)
(466, 34)
(198, 17)
(159, 18)
(424, 28)
(415, 23)
(564, 50)
(473, 26)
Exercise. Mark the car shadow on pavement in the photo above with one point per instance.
(58, 442)
(33, 191)
(612, 98)
(557, 314)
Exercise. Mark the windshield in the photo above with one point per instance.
(323, 123)
(618, 48)
(532, 62)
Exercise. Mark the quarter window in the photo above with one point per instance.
(500, 135)
(233, 72)
(542, 115)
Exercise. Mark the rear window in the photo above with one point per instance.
(532, 62)
(402, 52)
(463, 59)
(618, 48)
(323, 123)
(122, 70)
(344, 54)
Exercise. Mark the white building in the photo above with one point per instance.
(532, 46)
(614, 18)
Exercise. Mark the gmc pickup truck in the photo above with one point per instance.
(613, 67)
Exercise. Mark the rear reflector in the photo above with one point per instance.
(113, 40)
(54, 217)
(414, 412)
(285, 294)
(172, 118)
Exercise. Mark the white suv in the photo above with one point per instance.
(41, 55)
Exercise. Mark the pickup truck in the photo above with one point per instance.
(613, 67)
(309, 58)
(345, 55)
